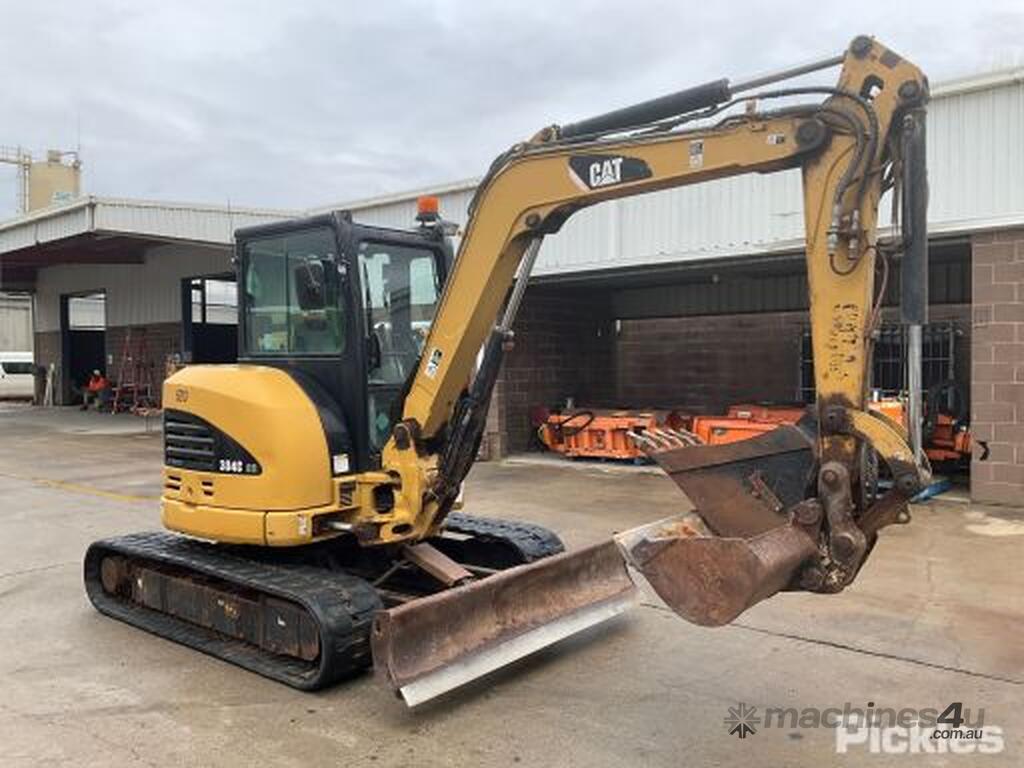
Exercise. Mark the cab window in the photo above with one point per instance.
(400, 287)
(292, 296)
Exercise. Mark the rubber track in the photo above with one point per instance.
(342, 605)
(533, 541)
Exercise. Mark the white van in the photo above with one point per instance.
(16, 379)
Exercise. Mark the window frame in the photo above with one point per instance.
(341, 293)
(441, 268)
(437, 266)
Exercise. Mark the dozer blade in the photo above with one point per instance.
(435, 644)
(743, 543)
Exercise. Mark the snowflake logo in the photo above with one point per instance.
(742, 720)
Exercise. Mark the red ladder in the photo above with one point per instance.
(134, 389)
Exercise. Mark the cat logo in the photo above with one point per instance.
(605, 172)
(598, 171)
(181, 395)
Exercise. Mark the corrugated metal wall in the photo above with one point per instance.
(136, 293)
(46, 226)
(976, 168)
(15, 323)
(976, 155)
(179, 221)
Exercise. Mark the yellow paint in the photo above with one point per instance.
(235, 526)
(52, 182)
(269, 415)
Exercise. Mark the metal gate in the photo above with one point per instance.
(889, 368)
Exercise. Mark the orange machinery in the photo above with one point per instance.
(608, 434)
(771, 414)
(946, 439)
(743, 421)
(718, 430)
(600, 432)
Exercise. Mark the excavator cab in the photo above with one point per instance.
(344, 308)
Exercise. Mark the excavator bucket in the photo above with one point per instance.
(435, 644)
(750, 530)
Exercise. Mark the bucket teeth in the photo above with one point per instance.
(689, 438)
(671, 438)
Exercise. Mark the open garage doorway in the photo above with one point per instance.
(83, 322)
(209, 319)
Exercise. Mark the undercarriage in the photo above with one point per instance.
(301, 616)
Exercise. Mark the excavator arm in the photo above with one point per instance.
(845, 146)
(793, 509)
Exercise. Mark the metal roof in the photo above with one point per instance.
(150, 219)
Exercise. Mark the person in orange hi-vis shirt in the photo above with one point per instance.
(96, 390)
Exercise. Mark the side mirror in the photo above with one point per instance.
(309, 285)
(373, 351)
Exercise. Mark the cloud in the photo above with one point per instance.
(296, 105)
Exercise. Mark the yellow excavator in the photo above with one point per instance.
(313, 491)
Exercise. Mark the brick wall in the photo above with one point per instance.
(563, 348)
(567, 345)
(702, 364)
(997, 412)
(161, 340)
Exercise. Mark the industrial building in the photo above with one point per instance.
(690, 298)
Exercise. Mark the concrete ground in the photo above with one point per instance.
(937, 617)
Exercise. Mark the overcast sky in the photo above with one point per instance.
(298, 104)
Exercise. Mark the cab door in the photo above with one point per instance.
(400, 282)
